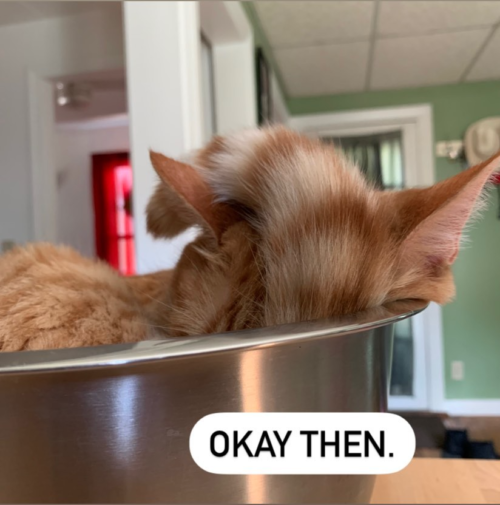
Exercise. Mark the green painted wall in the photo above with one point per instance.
(471, 324)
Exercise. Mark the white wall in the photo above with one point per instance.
(230, 34)
(48, 48)
(73, 151)
(234, 76)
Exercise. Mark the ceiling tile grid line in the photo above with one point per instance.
(386, 37)
(288, 26)
(487, 42)
(425, 16)
(486, 66)
(372, 45)
(424, 61)
(306, 22)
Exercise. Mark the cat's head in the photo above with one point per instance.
(291, 231)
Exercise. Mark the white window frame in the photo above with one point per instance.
(416, 126)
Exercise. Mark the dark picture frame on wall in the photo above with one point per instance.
(264, 94)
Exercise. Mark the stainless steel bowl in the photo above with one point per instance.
(111, 424)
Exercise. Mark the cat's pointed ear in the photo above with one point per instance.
(184, 199)
(434, 241)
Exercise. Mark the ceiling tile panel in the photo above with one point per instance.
(425, 60)
(307, 23)
(419, 17)
(324, 69)
(487, 65)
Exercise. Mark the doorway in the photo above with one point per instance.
(113, 217)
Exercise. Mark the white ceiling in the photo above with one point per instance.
(349, 45)
(14, 12)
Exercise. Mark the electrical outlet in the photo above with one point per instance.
(457, 370)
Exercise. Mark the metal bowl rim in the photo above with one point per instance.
(174, 348)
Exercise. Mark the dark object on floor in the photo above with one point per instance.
(458, 445)
(455, 444)
(434, 440)
(481, 450)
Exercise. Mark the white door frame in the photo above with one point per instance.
(163, 48)
(230, 34)
(415, 123)
(226, 27)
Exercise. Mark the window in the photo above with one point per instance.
(379, 156)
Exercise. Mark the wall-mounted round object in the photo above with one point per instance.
(482, 140)
(73, 94)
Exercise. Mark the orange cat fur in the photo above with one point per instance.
(289, 231)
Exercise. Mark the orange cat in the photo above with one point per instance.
(289, 231)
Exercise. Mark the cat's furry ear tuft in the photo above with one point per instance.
(183, 199)
(435, 240)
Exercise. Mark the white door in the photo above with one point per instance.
(391, 150)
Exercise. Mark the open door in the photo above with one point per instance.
(114, 222)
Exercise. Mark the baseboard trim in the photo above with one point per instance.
(485, 407)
